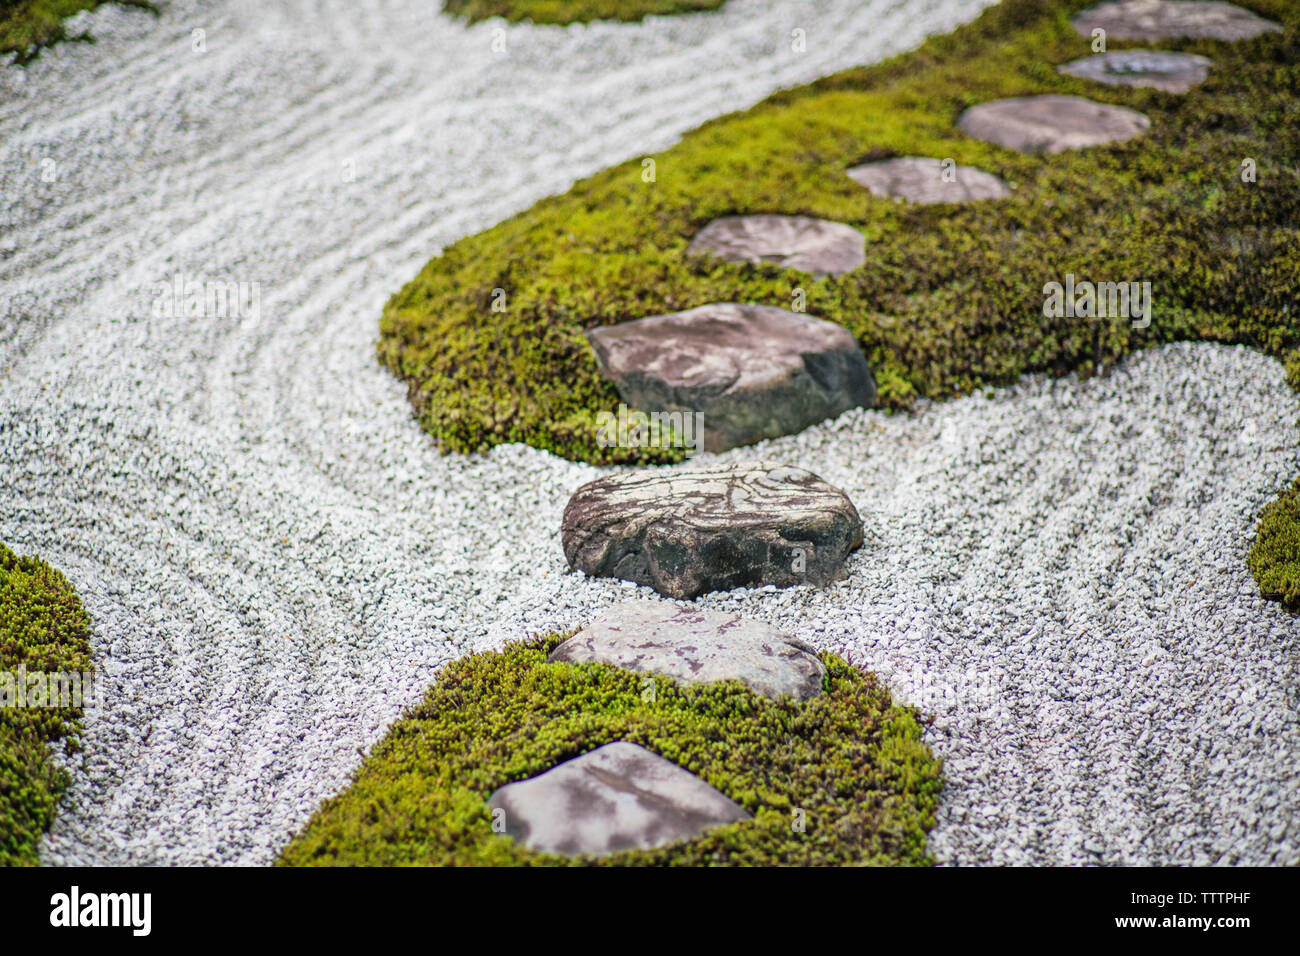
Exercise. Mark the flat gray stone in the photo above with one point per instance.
(1051, 124)
(1153, 20)
(694, 646)
(616, 797)
(1159, 69)
(754, 371)
(922, 180)
(687, 532)
(819, 246)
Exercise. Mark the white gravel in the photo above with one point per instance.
(276, 560)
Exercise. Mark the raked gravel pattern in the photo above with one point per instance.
(277, 561)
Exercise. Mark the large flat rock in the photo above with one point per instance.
(616, 797)
(1153, 20)
(754, 371)
(921, 179)
(819, 246)
(694, 646)
(1159, 69)
(1051, 124)
(687, 532)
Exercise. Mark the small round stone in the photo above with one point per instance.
(1051, 124)
(1152, 20)
(921, 179)
(1159, 69)
(818, 246)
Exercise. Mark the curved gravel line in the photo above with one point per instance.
(276, 561)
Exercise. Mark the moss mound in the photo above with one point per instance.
(573, 11)
(43, 628)
(952, 296)
(850, 759)
(26, 26)
(1275, 558)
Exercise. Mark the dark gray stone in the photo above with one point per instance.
(754, 371)
(687, 532)
(687, 644)
(921, 179)
(818, 246)
(1051, 124)
(616, 797)
(1153, 20)
(1159, 69)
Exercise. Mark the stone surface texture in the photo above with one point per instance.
(921, 179)
(1159, 69)
(1153, 20)
(754, 371)
(687, 532)
(696, 646)
(819, 246)
(1051, 124)
(616, 797)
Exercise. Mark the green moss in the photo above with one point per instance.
(43, 628)
(951, 298)
(850, 759)
(26, 26)
(1275, 557)
(573, 11)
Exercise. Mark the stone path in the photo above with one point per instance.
(275, 558)
(751, 371)
(818, 246)
(693, 532)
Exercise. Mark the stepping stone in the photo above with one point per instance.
(1160, 69)
(655, 637)
(1051, 124)
(754, 371)
(819, 246)
(922, 180)
(687, 532)
(616, 797)
(1153, 20)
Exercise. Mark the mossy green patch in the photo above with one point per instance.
(1275, 558)
(952, 296)
(573, 11)
(851, 760)
(43, 630)
(27, 26)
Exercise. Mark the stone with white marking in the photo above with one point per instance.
(1159, 69)
(819, 246)
(753, 371)
(617, 797)
(696, 646)
(684, 533)
(921, 179)
(1052, 123)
